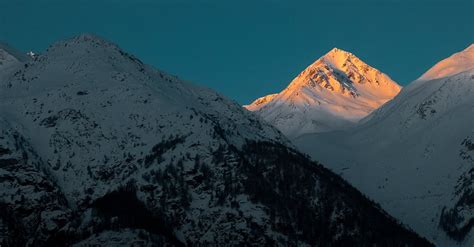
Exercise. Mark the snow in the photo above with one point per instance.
(73, 104)
(406, 155)
(85, 105)
(456, 63)
(90, 125)
(333, 93)
(18, 55)
(122, 237)
(260, 102)
(10, 58)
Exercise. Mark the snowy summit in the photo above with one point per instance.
(333, 93)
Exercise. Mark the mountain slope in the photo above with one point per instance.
(260, 102)
(458, 62)
(102, 149)
(10, 57)
(332, 93)
(414, 155)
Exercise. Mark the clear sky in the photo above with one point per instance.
(246, 49)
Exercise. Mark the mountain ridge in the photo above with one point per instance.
(458, 62)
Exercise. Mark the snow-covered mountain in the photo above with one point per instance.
(415, 154)
(98, 148)
(333, 93)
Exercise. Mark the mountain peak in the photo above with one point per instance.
(83, 43)
(92, 51)
(336, 50)
(89, 37)
(336, 57)
(339, 71)
(334, 92)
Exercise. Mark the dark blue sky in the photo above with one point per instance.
(246, 49)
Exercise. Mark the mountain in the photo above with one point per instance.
(333, 93)
(415, 154)
(98, 148)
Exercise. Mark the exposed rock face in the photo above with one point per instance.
(32, 204)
